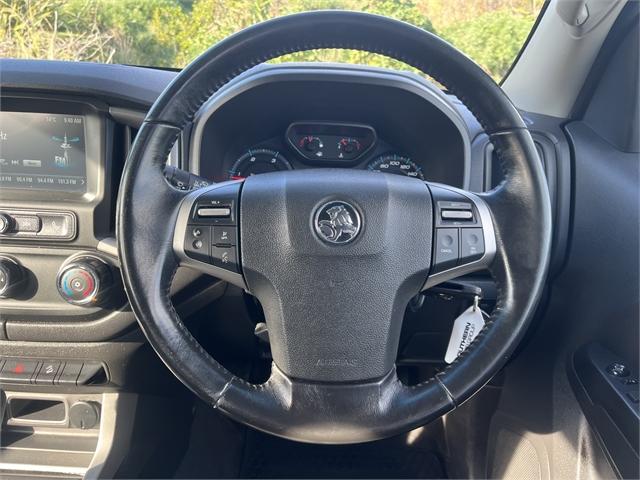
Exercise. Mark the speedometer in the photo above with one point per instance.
(396, 164)
(258, 161)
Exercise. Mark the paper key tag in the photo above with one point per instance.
(465, 328)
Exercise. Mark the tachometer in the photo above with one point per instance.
(396, 164)
(258, 161)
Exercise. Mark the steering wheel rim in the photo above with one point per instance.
(369, 405)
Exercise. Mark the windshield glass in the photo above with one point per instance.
(170, 33)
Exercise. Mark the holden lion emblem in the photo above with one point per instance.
(337, 222)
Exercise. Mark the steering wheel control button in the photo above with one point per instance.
(471, 244)
(224, 236)
(47, 373)
(215, 212)
(453, 208)
(224, 257)
(217, 206)
(17, 370)
(197, 242)
(456, 215)
(12, 277)
(84, 281)
(446, 248)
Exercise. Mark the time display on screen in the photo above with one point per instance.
(42, 151)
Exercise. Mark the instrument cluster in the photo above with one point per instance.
(325, 144)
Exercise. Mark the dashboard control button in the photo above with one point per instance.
(224, 257)
(17, 370)
(91, 373)
(215, 212)
(47, 372)
(6, 222)
(12, 277)
(69, 373)
(197, 242)
(446, 249)
(56, 226)
(84, 281)
(471, 244)
(224, 236)
(27, 223)
(47, 225)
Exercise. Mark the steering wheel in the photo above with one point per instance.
(333, 256)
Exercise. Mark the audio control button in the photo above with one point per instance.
(6, 222)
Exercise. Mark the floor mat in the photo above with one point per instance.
(269, 457)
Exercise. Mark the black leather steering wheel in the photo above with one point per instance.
(334, 309)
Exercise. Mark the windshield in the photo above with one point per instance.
(171, 33)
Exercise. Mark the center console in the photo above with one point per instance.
(60, 291)
(56, 207)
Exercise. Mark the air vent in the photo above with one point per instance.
(130, 135)
(493, 173)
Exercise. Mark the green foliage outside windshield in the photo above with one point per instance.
(170, 33)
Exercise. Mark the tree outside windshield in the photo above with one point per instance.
(171, 33)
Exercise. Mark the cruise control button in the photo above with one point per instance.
(215, 212)
(16, 370)
(471, 244)
(224, 236)
(224, 257)
(456, 215)
(197, 242)
(47, 373)
(446, 249)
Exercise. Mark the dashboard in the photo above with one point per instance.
(66, 130)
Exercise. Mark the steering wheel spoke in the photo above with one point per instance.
(464, 239)
(207, 234)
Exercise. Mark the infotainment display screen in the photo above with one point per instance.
(42, 151)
